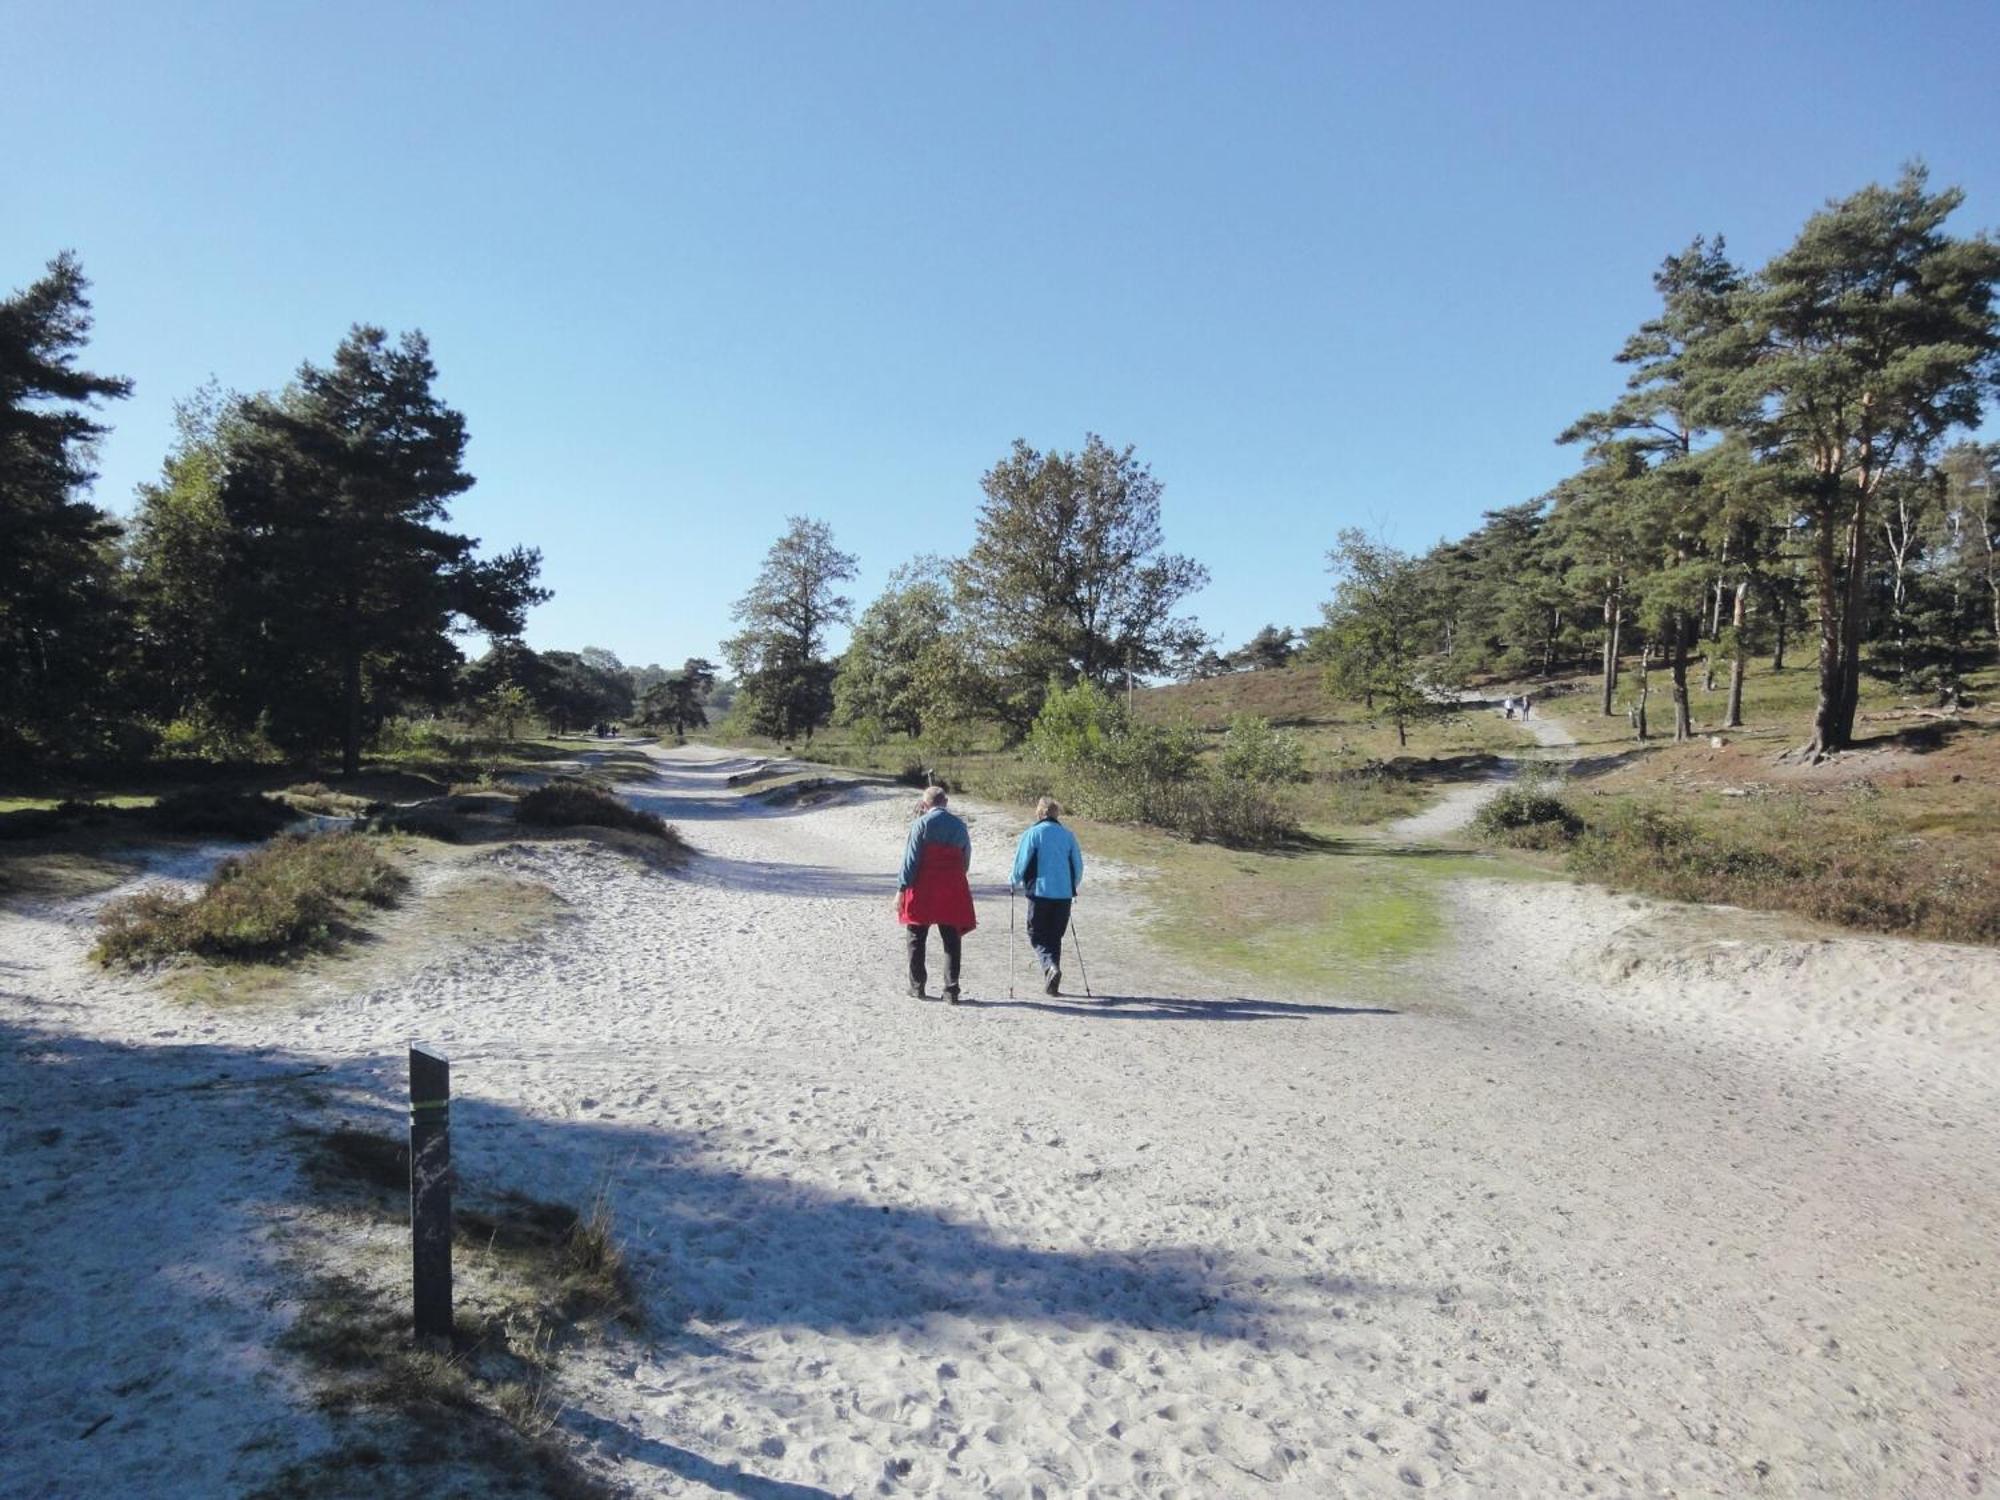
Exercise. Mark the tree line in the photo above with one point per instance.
(1067, 581)
(1791, 458)
(287, 584)
(290, 579)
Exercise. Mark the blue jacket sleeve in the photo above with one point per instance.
(1021, 853)
(911, 851)
(1075, 865)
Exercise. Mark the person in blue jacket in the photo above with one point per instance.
(1048, 865)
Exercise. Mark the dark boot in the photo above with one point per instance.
(951, 994)
(1053, 985)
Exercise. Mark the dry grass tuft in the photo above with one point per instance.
(292, 896)
(566, 803)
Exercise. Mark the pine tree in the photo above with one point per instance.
(62, 620)
(352, 587)
(1863, 346)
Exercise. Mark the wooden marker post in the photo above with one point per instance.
(430, 1193)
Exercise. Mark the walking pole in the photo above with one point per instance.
(1077, 943)
(1010, 940)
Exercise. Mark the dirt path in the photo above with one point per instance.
(1578, 1223)
(1454, 811)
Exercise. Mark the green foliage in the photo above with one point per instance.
(1268, 648)
(1529, 816)
(1113, 769)
(63, 626)
(1253, 751)
(290, 896)
(678, 701)
(1381, 639)
(565, 803)
(1067, 578)
(912, 667)
(336, 493)
(785, 688)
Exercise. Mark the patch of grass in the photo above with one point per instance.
(531, 1279)
(289, 897)
(1901, 834)
(1333, 918)
(568, 803)
(1841, 862)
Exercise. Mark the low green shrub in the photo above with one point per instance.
(566, 803)
(215, 812)
(1106, 766)
(1255, 752)
(287, 897)
(1529, 816)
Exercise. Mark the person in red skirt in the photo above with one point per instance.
(934, 891)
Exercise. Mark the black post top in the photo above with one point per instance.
(430, 1074)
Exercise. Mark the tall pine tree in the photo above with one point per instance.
(351, 586)
(61, 614)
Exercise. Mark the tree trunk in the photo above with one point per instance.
(1784, 617)
(1683, 715)
(1733, 718)
(1853, 617)
(1614, 616)
(350, 749)
(1645, 691)
(1827, 735)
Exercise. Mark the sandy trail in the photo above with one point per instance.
(1586, 1220)
(1454, 811)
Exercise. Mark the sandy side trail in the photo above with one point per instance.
(1454, 810)
(1592, 1218)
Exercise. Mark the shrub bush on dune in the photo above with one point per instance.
(565, 803)
(290, 896)
(1529, 816)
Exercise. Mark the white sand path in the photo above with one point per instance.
(1454, 810)
(1571, 1222)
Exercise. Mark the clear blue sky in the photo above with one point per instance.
(690, 269)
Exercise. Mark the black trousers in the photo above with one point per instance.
(918, 938)
(1048, 920)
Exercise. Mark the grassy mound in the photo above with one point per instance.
(564, 803)
(280, 900)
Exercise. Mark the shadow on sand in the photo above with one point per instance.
(1166, 1008)
(740, 1250)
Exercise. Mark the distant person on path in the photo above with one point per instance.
(1524, 705)
(1048, 865)
(1507, 707)
(934, 890)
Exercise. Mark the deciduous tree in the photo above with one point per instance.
(1068, 578)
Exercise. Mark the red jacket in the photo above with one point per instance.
(935, 890)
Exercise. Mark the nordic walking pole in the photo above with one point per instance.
(1010, 940)
(1076, 942)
